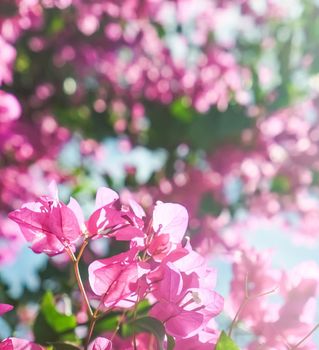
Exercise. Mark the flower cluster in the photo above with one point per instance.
(160, 265)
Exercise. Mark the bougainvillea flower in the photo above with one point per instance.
(181, 303)
(164, 231)
(114, 279)
(10, 108)
(172, 219)
(178, 322)
(203, 340)
(4, 308)
(110, 219)
(101, 343)
(48, 224)
(170, 293)
(19, 344)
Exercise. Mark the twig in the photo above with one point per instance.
(305, 338)
(75, 261)
(247, 298)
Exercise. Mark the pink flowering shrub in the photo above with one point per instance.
(209, 103)
(160, 268)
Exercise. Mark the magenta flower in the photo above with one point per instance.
(163, 232)
(10, 108)
(184, 306)
(19, 344)
(4, 308)
(114, 279)
(7, 58)
(109, 219)
(170, 309)
(101, 343)
(48, 224)
(107, 215)
(172, 219)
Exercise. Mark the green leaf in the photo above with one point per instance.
(51, 325)
(281, 184)
(226, 343)
(107, 324)
(58, 321)
(64, 346)
(141, 310)
(150, 325)
(170, 342)
(181, 110)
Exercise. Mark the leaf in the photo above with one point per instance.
(181, 110)
(51, 325)
(58, 321)
(170, 342)
(106, 324)
(42, 331)
(64, 346)
(281, 184)
(150, 325)
(226, 343)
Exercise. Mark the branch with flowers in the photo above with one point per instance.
(159, 269)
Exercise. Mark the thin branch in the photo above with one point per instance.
(243, 304)
(75, 261)
(305, 338)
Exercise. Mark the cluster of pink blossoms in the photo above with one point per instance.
(159, 266)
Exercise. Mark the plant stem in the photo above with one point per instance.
(91, 328)
(247, 298)
(305, 338)
(76, 261)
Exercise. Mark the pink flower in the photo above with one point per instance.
(107, 215)
(19, 344)
(114, 279)
(11, 240)
(7, 58)
(184, 306)
(165, 230)
(10, 108)
(101, 343)
(203, 340)
(172, 219)
(48, 224)
(109, 219)
(4, 308)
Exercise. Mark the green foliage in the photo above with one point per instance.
(150, 325)
(170, 342)
(181, 110)
(63, 346)
(281, 184)
(209, 205)
(51, 325)
(226, 343)
(106, 324)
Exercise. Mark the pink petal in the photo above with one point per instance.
(48, 225)
(178, 322)
(53, 190)
(170, 286)
(19, 344)
(105, 196)
(10, 108)
(77, 210)
(170, 218)
(184, 325)
(114, 278)
(137, 209)
(4, 308)
(103, 219)
(101, 343)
